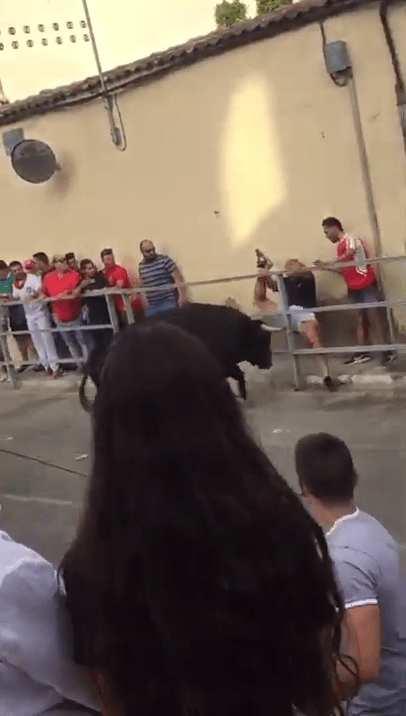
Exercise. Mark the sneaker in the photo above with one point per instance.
(357, 359)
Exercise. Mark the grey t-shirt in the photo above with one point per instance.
(366, 562)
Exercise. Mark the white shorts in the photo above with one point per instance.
(301, 315)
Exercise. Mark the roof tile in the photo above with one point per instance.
(289, 17)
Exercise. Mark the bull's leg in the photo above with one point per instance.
(236, 373)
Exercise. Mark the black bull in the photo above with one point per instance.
(230, 335)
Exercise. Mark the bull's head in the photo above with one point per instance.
(259, 349)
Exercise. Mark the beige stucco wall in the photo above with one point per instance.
(252, 148)
(125, 31)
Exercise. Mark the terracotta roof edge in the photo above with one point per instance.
(288, 17)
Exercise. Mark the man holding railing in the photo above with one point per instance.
(300, 288)
(63, 283)
(361, 283)
(27, 288)
(161, 273)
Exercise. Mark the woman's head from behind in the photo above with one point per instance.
(197, 581)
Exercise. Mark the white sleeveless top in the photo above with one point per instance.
(37, 672)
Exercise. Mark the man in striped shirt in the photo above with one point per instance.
(160, 272)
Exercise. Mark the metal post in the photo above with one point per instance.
(128, 310)
(112, 312)
(368, 189)
(7, 356)
(289, 331)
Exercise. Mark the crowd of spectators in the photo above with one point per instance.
(58, 329)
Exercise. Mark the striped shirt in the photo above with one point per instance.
(158, 273)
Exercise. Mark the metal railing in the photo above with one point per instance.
(283, 312)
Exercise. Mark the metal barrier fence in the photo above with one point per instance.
(284, 312)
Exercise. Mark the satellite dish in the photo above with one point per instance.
(33, 161)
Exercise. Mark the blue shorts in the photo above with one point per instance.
(370, 294)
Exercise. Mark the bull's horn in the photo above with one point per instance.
(271, 329)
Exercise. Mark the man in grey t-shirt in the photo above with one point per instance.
(366, 563)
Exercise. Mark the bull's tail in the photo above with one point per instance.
(84, 400)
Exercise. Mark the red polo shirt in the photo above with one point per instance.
(53, 284)
(356, 278)
(117, 276)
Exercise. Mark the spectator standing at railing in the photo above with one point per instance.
(64, 283)
(361, 283)
(18, 321)
(27, 288)
(96, 306)
(41, 263)
(42, 267)
(71, 260)
(157, 270)
(116, 276)
(366, 561)
(6, 287)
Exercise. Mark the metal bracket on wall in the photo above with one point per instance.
(11, 138)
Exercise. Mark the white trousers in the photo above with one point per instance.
(39, 326)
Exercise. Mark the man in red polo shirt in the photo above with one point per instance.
(67, 312)
(116, 276)
(361, 283)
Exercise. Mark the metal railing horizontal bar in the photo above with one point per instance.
(390, 303)
(285, 311)
(72, 329)
(333, 307)
(32, 362)
(342, 350)
(114, 290)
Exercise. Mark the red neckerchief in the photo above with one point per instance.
(19, 283)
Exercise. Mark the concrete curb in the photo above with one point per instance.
(378, 380)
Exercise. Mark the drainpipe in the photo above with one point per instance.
(339, 67)
(365, 170)
(400, 88)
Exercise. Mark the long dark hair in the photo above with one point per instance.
(197, 583)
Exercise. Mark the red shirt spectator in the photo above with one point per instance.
(362, 275)
(62, 281)
(116, 276)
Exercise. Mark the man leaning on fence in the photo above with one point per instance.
(6, 283)
(63, 283)
(158, 271)
(361, 283)
(27, 288)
